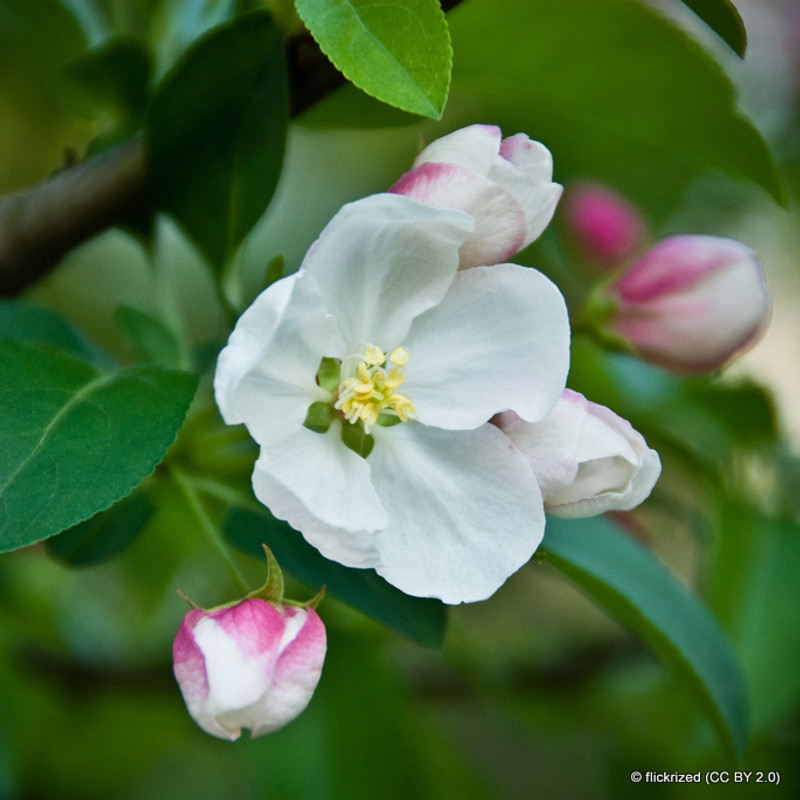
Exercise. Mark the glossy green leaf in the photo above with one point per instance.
(615, 90)
(639, 592)
(149, 339)
(420, 619)
(723, 18)
(398, 51)
(76, 440)
(106, 534)
(216, 133)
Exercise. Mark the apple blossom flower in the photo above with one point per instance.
(587, 460)
(249, 665)
(691, 303)
(505, 185)
(369, 378)
(605, 227)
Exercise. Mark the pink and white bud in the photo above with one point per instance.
(605, 227)
(587, 460)
(505, 185)
(691, 303)
(251, 665)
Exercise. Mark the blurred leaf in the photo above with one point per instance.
(422, 620)
(754, 590)
(106, 534)
(148, 338)
(110, 84)
(22, 322)
(639, 592)
(216, 132)
(398, 51)
(76, 440)
(723, 18)
(614, 89)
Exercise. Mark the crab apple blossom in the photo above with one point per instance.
(505, 185)
(369, 378)
(691, 303)
(249, 665)
(605, 227)
(587, 460)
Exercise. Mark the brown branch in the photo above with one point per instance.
(39, 226)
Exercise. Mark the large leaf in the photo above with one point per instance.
(420, 619)
(75, 440)
(395, 50)
(216, 133)
(638, 591)
(614, 89)
(722, 17)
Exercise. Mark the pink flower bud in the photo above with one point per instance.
(605, 227)
(251, 665)
(586, 459)
(692, 303)
(505, 185)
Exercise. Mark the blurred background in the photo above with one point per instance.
(536, 692)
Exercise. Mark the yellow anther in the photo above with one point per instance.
(399, 357)
(374, 355)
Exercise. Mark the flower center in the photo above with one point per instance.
(370, 390)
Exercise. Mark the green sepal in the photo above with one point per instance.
(387, 420)
(357, 439)
(329, 374)
(319, 417)
(272, 590)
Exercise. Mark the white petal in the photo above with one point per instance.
(475, 146)
(464, 508)
(308, 475)
(381, 261)
(266, 374)
(499, 340)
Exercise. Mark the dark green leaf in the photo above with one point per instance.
(722, 17)
(420, 619)
(398, 51)
(149, 339)
(110, 84)
(106, 534)
(22, 322)
(216, 133)
(614, 89)
(637, 590)
(76, 440)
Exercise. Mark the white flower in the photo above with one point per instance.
(378, 326)
(587, 459)
(505, 185)
(250, 665)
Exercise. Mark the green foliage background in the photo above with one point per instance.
(547, 689)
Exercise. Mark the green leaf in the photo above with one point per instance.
(614, 89)
(110, 84)
(21, 322)
(422, 620)
(216, 133)
(76, 440)
(398, 51)
(637, 590)
(723, 18)
(149, 339)
(106, 534)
